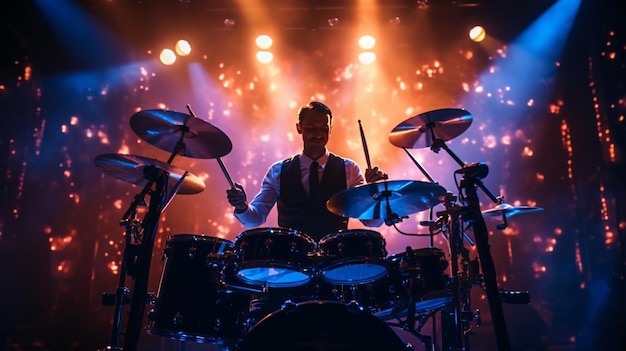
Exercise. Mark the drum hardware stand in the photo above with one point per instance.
(137, 256)
(453, 328)
(470, 213)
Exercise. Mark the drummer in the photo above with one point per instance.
(300, 203)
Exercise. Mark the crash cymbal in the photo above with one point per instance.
(420, 130)
(369, 201)
(133, 169)
(164, 129)
(509, 210)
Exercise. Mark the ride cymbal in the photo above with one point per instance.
(421, 130)
(171, 130)
(135, 170)
(509, 210)
(381, 199)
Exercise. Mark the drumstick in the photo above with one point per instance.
(230, 181)
(367, 154)
(219, 161)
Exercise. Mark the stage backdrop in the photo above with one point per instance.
(545, 92)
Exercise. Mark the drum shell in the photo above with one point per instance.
(265, 251)
(353, 256)
(418, 276)
(191, 303)
(317, 325)
(430, 266)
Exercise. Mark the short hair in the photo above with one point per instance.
(315, 106)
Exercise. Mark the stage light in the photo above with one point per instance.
(264, 41)
(333, 21)
(264, 56)
(477, 34)
(367, 57)
(167, 57)
(367, 42)
(229, 22)
(183, 48)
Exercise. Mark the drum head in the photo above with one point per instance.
(322, 325)
(347, 273)
(278, 276)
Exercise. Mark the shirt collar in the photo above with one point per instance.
(305, 161)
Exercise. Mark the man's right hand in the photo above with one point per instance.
(237, 198)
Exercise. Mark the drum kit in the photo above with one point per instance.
(276, 288)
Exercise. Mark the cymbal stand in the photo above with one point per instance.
(139, 241)
(470, 213)
(453, 328)
(427, 341)
(432, 180)
(136, 259)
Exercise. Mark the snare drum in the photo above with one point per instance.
(274, 257)
(353, 257)
(191, 304)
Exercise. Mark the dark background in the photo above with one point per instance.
(73, 72)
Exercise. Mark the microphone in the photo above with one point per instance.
(475, 170)
(432, 224)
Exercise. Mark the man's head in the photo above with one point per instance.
(314, 124)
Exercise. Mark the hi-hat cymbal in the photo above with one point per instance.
(164, 129)
(369, 201)
(134, 169)
(420, 130)
(509, 210)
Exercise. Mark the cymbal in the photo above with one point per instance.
(132, 169)
(369, 201)
(420, 130)
(509, 210)
(164, 129)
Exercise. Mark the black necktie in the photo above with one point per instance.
(313, 178)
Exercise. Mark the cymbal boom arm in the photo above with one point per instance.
(422, 169)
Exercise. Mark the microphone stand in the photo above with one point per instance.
(472, 214)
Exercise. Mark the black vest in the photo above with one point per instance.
(297, 210)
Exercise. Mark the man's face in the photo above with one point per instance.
(315, 129)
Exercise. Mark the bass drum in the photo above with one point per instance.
(322, 325)
(192, 304)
